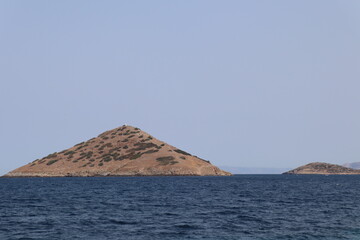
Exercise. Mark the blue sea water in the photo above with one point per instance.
(236, 207)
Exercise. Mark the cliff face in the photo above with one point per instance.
(323, 168)
(123, 151)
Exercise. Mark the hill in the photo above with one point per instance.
(323, 168)
(123, 151)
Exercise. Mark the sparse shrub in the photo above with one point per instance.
(137, 155)
(115, 149)
(115, 156)
(100, 164)
(142, 146)
(52, 161)
(69, 153)
(166, 160)
(107, 158)
(182, 152)
(79, 147)
(42, 161)
(105, 145)
(86, 155)
(204, 160)
(53, 155)
(151, 151)
(79, 144)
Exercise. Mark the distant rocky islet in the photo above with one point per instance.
(323, 169)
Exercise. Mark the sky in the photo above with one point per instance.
(240, 83)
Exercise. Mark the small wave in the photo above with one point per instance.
(186, 226)
(122, 222)
(226, 212)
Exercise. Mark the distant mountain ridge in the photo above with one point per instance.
(123, 151)
(354, 165)
(253, 170)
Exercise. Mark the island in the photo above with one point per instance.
(323, 168)
(123, 151)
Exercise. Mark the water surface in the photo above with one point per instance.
(237, 207)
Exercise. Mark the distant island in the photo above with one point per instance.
(123, 151)
(323, 168)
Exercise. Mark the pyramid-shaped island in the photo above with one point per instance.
(123, 151)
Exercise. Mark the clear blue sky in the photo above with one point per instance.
(240, 83)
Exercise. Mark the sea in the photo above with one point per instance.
(133, 208)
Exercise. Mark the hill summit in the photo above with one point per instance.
(123, 151)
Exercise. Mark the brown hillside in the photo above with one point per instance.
(123, 151)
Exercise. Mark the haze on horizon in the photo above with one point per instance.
(271, 84)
